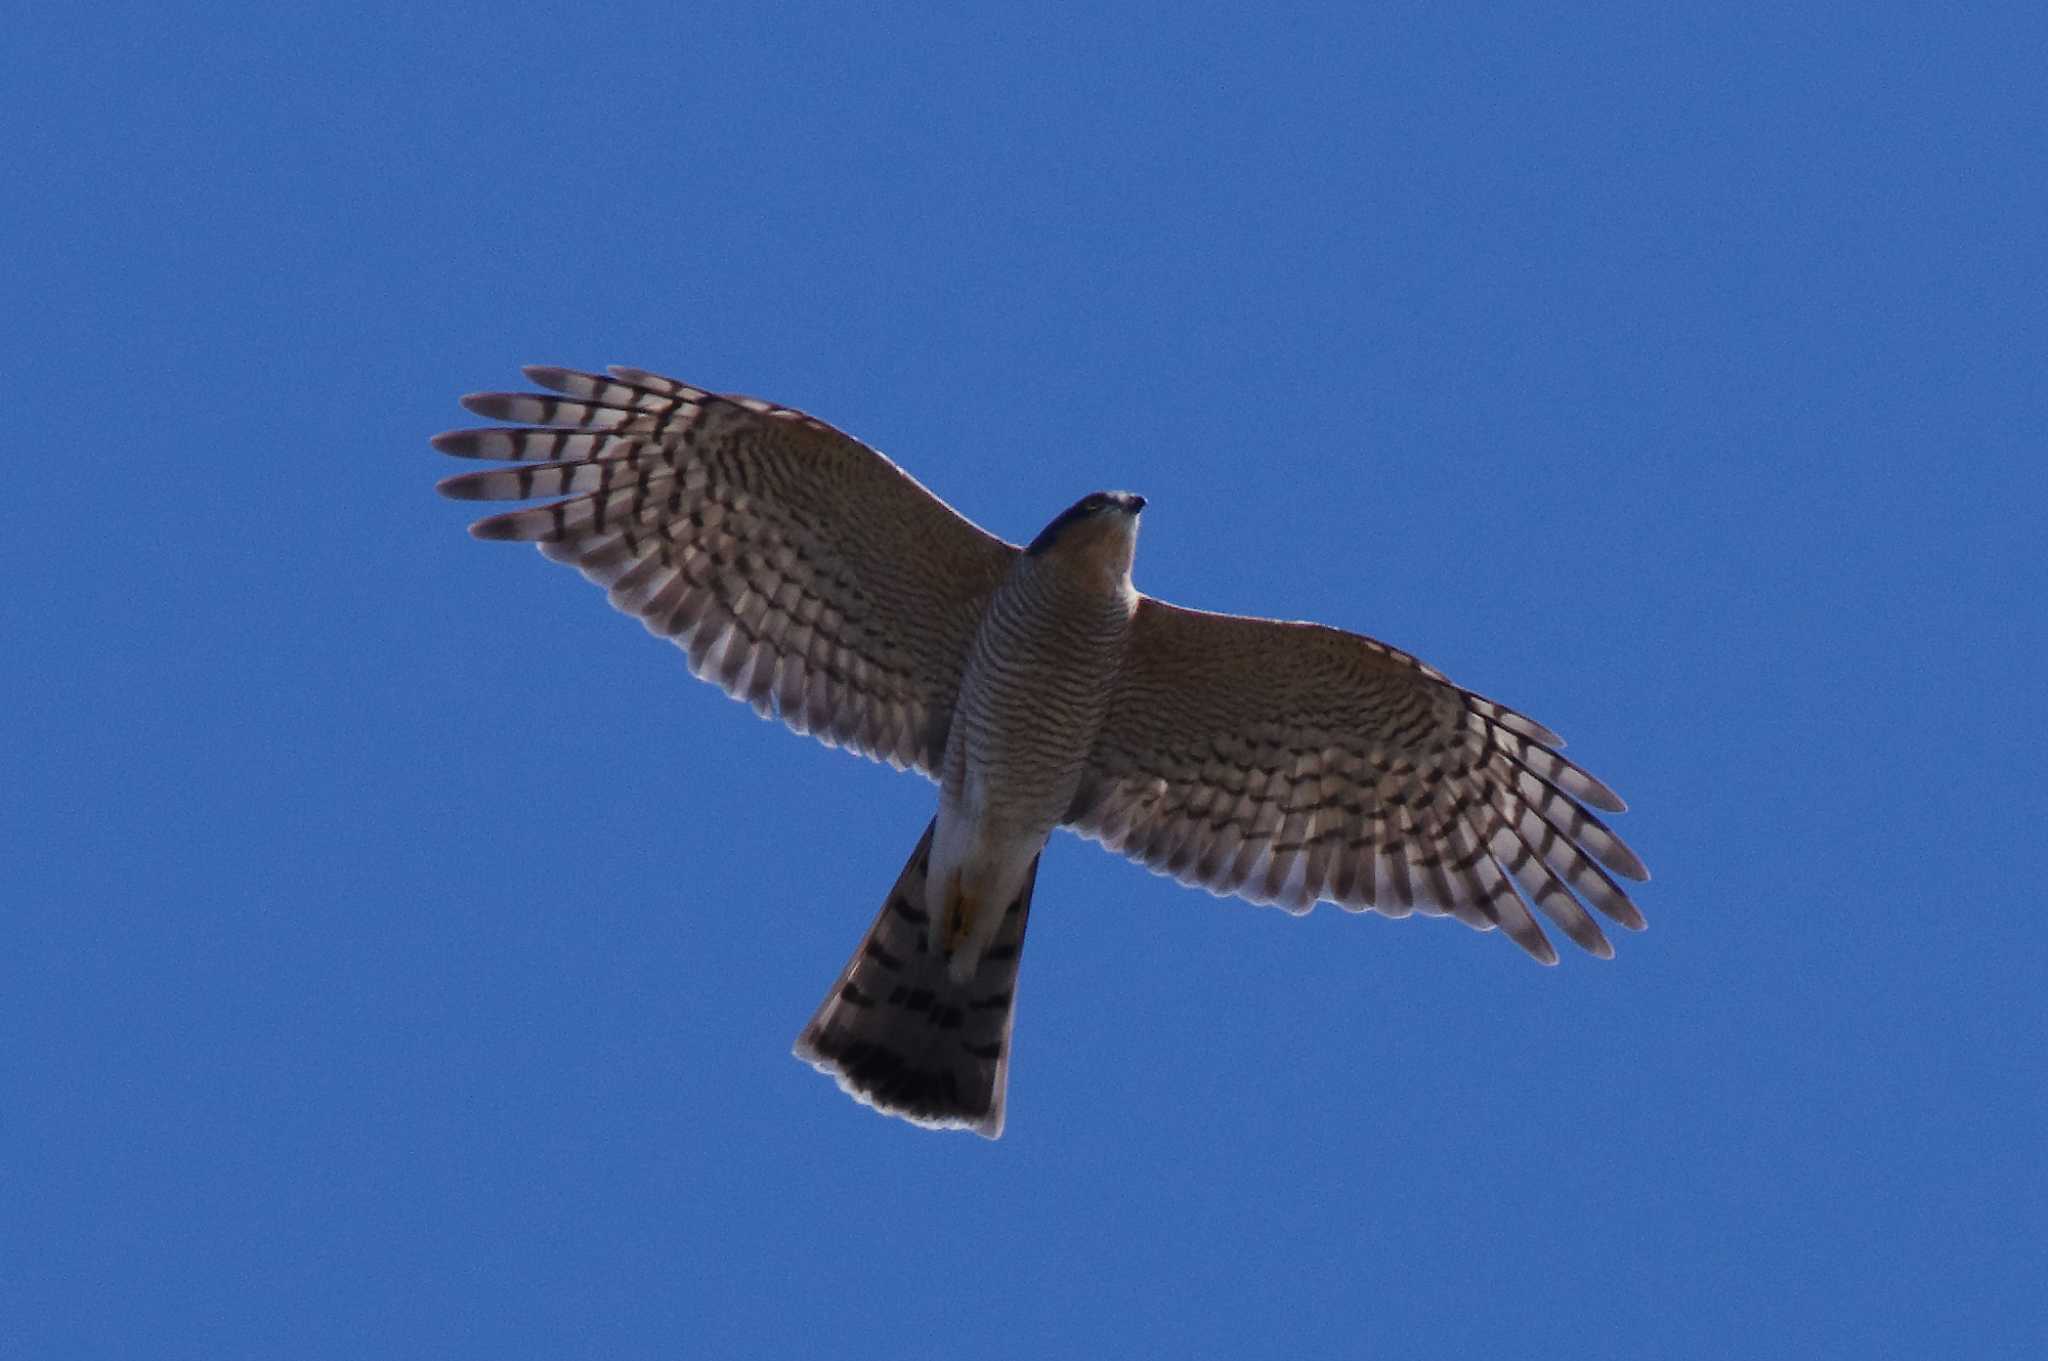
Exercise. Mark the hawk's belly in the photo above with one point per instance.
(1036, 687)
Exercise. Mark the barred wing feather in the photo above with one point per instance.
(1289, 763)
(801, 571)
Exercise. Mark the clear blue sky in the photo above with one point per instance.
(402, 952)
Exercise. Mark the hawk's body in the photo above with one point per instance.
(1038, 682)
(812, 578)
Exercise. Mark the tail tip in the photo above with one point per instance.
(879, 1080)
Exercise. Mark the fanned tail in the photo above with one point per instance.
(900, 1035)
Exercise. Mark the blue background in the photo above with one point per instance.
(402, 952)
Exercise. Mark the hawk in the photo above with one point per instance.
(810, 577)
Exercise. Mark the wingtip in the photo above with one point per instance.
(460, 487)
(498, 528)
(490, 442)
(1594, 791)
(1627, 863)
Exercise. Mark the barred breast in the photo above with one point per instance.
(1036, 688)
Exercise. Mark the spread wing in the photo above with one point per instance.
(801, 570)
(1287, 763)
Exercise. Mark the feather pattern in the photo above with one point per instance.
(799, 570)
(809, 577)
(901, 1034)
(1290, 763)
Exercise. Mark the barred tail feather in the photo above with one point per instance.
(900, 1035)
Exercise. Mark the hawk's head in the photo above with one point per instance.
(1099, 511)
(1098, 534)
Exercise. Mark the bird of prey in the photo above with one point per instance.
(809, 576)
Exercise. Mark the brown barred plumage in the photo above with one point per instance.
(719, 522)
(1288, 763)
(810, 577)
(901, 1035)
